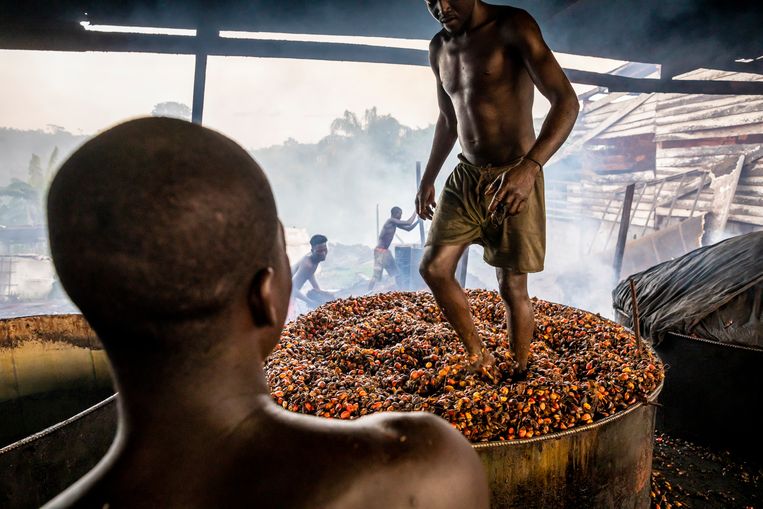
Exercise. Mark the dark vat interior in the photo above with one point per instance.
(711, 394)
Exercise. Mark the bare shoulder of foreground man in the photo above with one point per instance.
(487, 60)
(176, 258)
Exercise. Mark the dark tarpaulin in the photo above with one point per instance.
(713, 292)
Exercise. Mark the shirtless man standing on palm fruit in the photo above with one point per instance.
(487, 61)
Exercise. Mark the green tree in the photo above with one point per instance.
(21, 203)
(172, 109)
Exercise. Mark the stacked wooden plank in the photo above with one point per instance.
(681, 144)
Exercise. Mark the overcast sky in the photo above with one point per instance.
(257, 101)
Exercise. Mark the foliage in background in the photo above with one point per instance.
(333, 186)
(172, 109)
(22, 203)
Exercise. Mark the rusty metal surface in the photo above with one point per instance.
(664, 244)
(34, 470)
(607, 464)
(71, 329)
(51, 367)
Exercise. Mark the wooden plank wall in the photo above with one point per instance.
(708, 131)
(747, 207)
(674, 133)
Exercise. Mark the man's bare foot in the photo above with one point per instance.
(482, 363)
(518, 374)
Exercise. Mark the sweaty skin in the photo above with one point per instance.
(486, 61)
(188, 304)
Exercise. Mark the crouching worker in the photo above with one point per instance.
(165, 235)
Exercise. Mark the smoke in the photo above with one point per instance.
(332, 187)
(571, 275)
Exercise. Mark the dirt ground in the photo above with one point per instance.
(688, 475)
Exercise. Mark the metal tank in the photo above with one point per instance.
(601, 465)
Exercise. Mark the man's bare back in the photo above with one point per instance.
(486, 61)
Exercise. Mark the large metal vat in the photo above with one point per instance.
(607, 464)
(51, 367)
(602, 465)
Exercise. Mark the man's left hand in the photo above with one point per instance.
(512, 189)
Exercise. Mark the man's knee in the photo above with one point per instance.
(513, 287)
(433, 270)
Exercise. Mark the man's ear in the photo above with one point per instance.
(262, 300)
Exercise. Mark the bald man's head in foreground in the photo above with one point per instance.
(165, 234)
(156, 227)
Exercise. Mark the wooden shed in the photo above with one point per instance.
(695, 161)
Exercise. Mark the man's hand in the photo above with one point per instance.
(425, 203)
(511, 190)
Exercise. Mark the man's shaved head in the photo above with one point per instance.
(158, 223)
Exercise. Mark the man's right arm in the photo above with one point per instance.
(445, 136)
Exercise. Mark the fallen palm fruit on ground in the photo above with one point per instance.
(396, 351)
(687, 475)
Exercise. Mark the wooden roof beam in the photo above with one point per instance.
(649, 85)
(78, 39)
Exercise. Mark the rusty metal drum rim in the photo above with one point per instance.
(54, 315)
(717, 343)
(58, 425)
(699, 339)
(480, 445)
(560, 434)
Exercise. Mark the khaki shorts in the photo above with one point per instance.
(517, 244)
(383, 260)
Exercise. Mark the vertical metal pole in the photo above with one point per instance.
(377, 222)
(464, 264)
(418, 184)
(204, 35)
(622, 235)
(199, 83)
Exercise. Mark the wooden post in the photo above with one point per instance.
(418, 184)
(636, 319)
(622, 236)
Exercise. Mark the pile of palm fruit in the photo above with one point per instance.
(396, 351)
